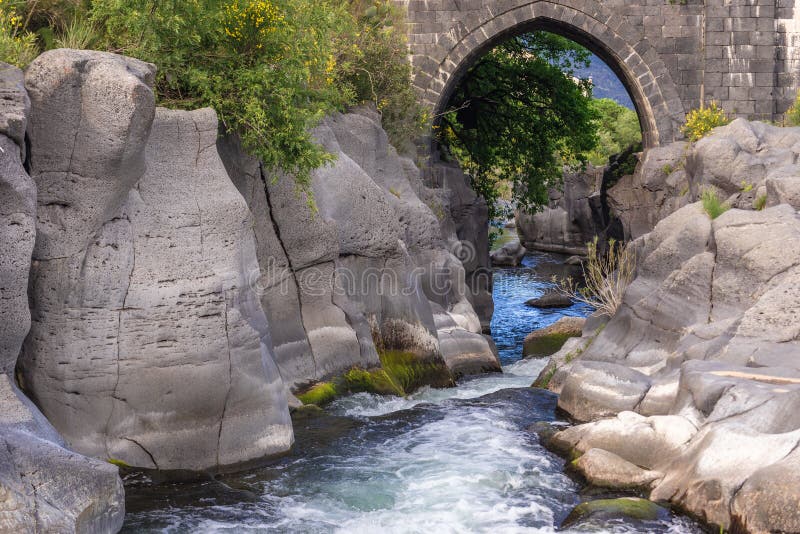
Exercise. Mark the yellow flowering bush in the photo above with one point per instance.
(17, 45)
(249, 22)
(699, 122)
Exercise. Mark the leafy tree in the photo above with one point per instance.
(268, 67)
(617, 129)
(520, 115)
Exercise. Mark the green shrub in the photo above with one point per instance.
(712, 204)
(268, 67)
(373, 64)
(792, 116)
(699, 122)
(17, 45)
(760, 202)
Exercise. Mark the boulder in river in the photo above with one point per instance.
(549, 340)
(509, 255)
(601, 511)
(551, 299)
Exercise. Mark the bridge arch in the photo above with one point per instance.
(441, 65)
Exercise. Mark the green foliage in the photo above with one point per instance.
(118, 463)
(699, 122)
(17, 45)
(270, 68)
(712, 204)
(746, 186)
(374, 65)
(267, 67)
(792, 116)
(519, 115)
(617, 129)
(760, 202)
(400, 374)
(79, 33)
(319, 395)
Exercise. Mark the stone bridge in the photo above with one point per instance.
(670, 54)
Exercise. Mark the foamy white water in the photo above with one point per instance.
(458, 460)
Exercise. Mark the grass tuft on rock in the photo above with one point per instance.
(400, 374)
(712, 204)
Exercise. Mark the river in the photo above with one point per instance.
(441, 461)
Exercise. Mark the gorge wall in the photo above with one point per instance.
(689, 392)
(164, 296)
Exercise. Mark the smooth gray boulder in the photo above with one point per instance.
(277, 284)
(658, 187)
(45, 486)
(469, 216)
(509, 255)
(605, 469)
(150, 346)
(85, 166)
(601, 389)
(17, 218)
(705, 346)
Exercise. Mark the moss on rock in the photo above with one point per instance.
(607, 509)
(549, 340)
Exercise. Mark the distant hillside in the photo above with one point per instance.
(606, 83)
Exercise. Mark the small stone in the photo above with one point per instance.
(551, 299)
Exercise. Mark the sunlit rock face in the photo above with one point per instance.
(45, 487)
(148, 344)
(367, 269)
(698, 369)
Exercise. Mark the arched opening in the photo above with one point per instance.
(440, 66)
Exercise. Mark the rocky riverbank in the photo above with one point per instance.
(690, 391)
(165, 297)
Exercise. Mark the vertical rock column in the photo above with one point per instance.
(44, 486)
(148, 344)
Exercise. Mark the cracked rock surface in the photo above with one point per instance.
(696, 378)
(44, 486)
(149, 344)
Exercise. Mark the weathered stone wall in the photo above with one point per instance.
(742, 53)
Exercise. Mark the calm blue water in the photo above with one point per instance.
(512, 319)
(457, 460)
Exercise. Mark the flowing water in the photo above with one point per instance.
(443, 461)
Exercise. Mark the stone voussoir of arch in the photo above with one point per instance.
(466, 29)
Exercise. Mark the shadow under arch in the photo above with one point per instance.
(633, 59)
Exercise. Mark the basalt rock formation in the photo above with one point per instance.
(164, 295)
(695, 380)
(44, 486)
